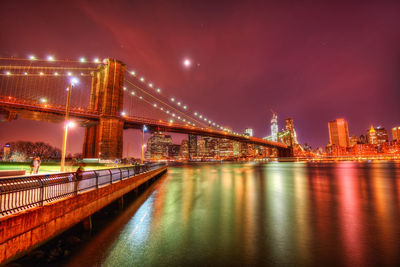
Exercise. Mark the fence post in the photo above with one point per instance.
(41, 191)
(120, 174)
(109, 170)
(97, 179)
(76, 181)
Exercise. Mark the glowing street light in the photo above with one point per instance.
(143, 144)
(71, 124)
(32, 57)
(50, 58)
(82, 59)
(72, 83)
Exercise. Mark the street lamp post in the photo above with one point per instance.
(67, 125)
(141, 158)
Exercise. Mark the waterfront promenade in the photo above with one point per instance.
(35, 209)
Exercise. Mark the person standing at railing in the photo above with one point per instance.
(36, 165)
(79, 176)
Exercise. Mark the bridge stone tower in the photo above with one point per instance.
(104, 140)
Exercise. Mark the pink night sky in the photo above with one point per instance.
(312, 61)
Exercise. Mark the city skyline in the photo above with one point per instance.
(322, 74)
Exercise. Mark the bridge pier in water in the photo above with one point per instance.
(105, 140)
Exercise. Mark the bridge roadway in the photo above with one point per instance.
(50, 112)
(35, 209)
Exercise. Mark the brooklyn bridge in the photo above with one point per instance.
(109, 97)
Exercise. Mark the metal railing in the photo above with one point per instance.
(20, 193)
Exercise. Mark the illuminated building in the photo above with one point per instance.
(381, 135)
(201, 148)
(291, 130)
(353, 140)
(192, 146)
(157, 146)
(274, 127)
(6, 151)
(225, 148)
(339, 133)
(212, 146)
(244, 149)
(396, 134)
(173, 151)
(371, 136)
(249, 132)
(236, 148)
(184, 149)
(363, 139)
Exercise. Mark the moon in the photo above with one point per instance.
(187, 62)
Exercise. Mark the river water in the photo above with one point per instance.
(274, 214)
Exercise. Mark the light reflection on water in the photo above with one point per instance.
(273, 214)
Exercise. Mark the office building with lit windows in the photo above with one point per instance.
(339, 133)
(396, 134)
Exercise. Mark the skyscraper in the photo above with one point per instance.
(371, 136)
(396, 133)
(192, 146)
(225, 148)
(184, 150)
(157, 146)
(381, 135)
(291, 130)
(248, 131)
(339, 133)
(274, 127)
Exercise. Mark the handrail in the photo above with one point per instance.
(21, 193)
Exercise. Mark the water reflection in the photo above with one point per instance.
(274, 214)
